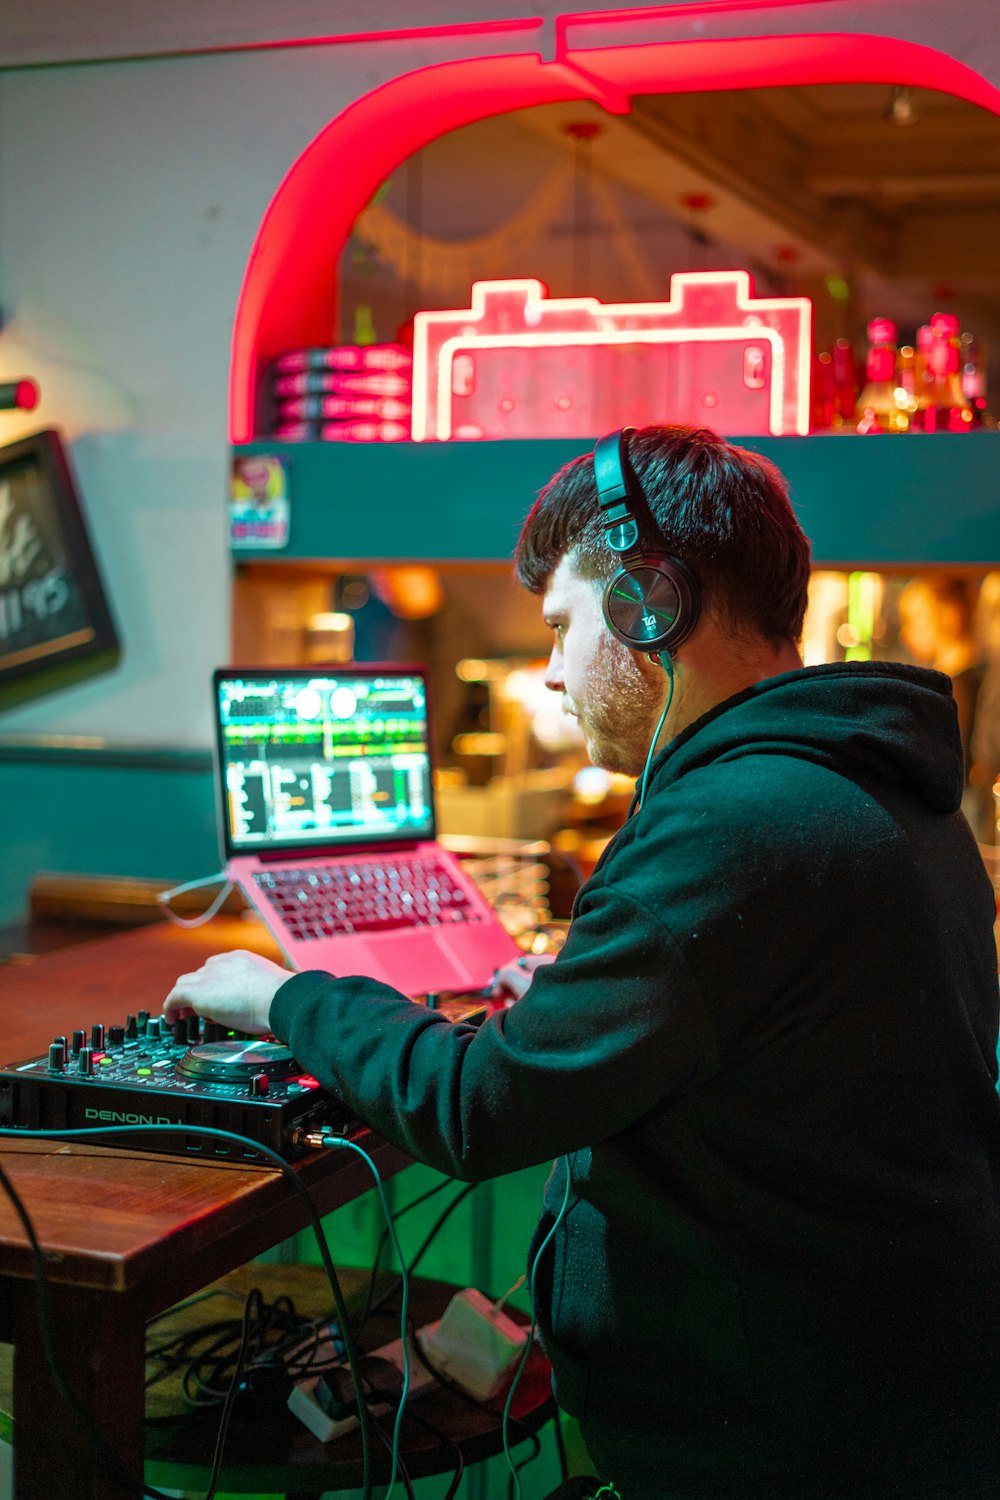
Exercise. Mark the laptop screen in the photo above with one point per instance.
(313, 758)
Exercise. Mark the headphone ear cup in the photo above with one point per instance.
(653, 604)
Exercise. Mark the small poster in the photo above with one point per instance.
(259, 501)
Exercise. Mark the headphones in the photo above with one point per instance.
(652, 602)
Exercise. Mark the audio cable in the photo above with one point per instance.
(370, 1300)
(666, 662)
(164, 899)
(336, 1142)
(531, 1330)
(459, 1198)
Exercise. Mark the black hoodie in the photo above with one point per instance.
(767, 1057)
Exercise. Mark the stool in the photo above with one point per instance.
(270, 1451)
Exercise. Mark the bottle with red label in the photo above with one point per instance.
(948, 408)
(877, 409)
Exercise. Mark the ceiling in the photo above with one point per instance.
(896, 193)
(903, 182)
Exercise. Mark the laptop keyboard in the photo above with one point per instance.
(368, 896)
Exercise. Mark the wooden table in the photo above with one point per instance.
(125, 1233)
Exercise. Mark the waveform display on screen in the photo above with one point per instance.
(325, 759)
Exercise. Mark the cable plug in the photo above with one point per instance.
(320, 1137)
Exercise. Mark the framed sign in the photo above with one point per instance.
(55, 623)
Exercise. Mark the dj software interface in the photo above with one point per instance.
(325, 758)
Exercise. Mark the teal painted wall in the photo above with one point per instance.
(102, 811)
(862, 501)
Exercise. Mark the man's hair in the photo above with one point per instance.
(722, 510)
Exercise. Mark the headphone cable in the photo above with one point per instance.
(666, 662)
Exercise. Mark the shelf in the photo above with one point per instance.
(901, 502)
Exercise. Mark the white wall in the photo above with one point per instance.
(130, 197)
(130, 194)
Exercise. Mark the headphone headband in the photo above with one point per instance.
(611, 472)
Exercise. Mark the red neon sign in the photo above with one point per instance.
(287, 297)
(519, 364)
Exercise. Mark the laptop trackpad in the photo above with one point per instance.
(418, 965)
(421, 965)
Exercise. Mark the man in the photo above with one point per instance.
(765, 1055)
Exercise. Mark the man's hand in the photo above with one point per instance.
(512, 980)
(235, 989)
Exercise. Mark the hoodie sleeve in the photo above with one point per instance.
(607, 1032)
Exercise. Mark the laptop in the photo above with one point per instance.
(327, 813)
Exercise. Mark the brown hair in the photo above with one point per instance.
(722, 510)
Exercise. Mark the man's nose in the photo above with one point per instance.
(554, 671)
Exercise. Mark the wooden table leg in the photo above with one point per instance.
(100, 1344)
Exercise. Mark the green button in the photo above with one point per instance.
(144, 1072)
(107, 1062)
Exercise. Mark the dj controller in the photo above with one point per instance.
(192, 1074)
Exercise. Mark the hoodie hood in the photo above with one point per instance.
(884, 720)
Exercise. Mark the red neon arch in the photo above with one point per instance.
(288, 294)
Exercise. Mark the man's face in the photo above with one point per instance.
(601, 681)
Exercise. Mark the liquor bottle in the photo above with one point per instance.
(906, 393)
(925, 417)
(973, 376)
(822, 393)
(877, 410)
(845, 385)
(949, 410)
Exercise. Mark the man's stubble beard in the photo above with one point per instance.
(621, 709)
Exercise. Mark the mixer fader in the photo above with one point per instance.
(195, 1073)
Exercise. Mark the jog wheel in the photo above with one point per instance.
(238, 1062)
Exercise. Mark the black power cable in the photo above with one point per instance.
(384, 1240)
(446, 1442)
(394, 1286)
(252, 1304)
